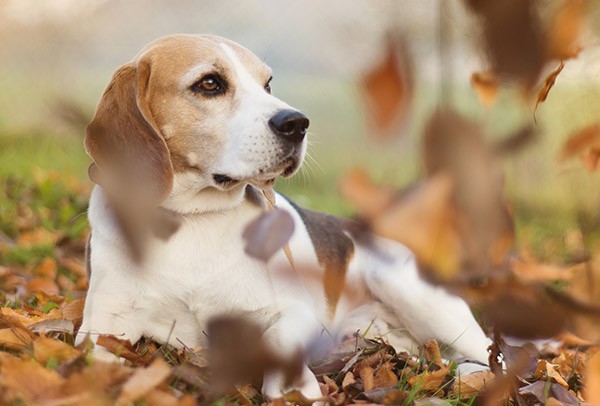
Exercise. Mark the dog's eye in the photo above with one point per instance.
(268, 85)
(209, 85)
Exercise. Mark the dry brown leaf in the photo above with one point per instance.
(238, 352)
(17, 317)
(531, 271)
(28, 381)
(15, 338)
(571, 340)
(546, 370)
(121, 348)
(513, 37)
(385, 396)
(332, 387)
(370, 199)
(456, 147)
(384, 377)
(46, 286)
(53, 326)
(348, 380)
(432, 352)
(99, 379)
(553, 402)
(585, 286)
(157, 397)
(423, 219)
(470, 385)
(143, 381)
(587, 137)
(521, 310)
(73, 265)
(430, 380)
(245, 394)
(74, 311)
(387, 88)
(591, 159)
(46, 269)
(565, 29)
(295, 397)
(548, 85)
(38, 236)
(45, 349)
(570, 362)
(367, 378)
(268, 233)
(586, 144)
(65, 284)
(592, 380)
(486, 85)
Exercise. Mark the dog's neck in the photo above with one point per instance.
(193, 194)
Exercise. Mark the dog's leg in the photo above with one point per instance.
(106, 314)
(426, 310)
(288, 335)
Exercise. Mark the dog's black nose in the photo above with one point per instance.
(289, 124)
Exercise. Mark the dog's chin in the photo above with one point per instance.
(263, 178)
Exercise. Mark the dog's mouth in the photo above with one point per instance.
(262, 179)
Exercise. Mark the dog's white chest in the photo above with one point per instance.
(199, 273)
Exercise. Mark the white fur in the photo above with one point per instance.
(202, 271)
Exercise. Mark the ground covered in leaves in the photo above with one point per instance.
(455, 219)
(43, 282)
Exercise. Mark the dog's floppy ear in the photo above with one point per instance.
(123, 140)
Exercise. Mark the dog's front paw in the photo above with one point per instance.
(307, 385)
(101, 354)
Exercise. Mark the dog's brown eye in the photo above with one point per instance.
(268, 85)
(209, 85)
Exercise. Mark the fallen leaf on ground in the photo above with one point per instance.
(74, 311)
(45, 349)
(143, 381)
(28, 381)
(15, 338)
(432, 352)
(470, 385)
(545, 369)
(367, 378)
(430, 380)
(121, 348)
(47, 286)
(592, 380)
(46, 269)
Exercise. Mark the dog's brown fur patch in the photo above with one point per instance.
(334, 250)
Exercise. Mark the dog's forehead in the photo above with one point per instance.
(178, 54)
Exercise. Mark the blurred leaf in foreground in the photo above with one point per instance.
(586, 144)
(268, 233)
(486, 85)
(388, 89)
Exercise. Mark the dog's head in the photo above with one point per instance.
(191, 120)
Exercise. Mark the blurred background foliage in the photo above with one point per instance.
(57, 56)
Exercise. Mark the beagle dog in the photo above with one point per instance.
(193, 118)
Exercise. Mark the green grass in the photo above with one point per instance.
(546, 196)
